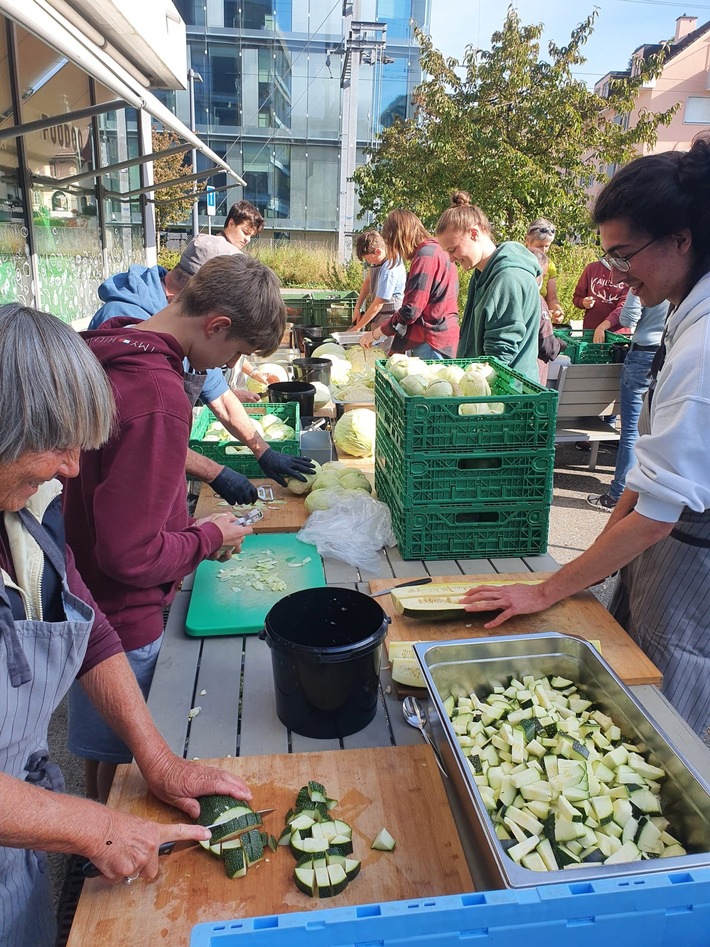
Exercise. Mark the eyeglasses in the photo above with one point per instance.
(621, 263)
(546, 230)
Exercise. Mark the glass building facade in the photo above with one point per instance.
(270, 100)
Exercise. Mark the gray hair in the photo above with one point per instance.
(54, 394)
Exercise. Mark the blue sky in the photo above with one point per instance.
(622, 25)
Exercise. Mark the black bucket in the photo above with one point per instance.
(312, 369)
(308, 338)
(300, 391)
(326, 647)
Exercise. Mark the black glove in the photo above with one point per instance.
(278, 466)
(234, 487)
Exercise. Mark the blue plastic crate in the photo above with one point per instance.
(654, 910)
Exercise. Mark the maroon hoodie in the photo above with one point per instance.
(126, 513)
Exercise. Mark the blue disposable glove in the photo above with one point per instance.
(234, 487)
(278, 466)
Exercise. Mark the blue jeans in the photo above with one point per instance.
(424, 350)
(634, 384)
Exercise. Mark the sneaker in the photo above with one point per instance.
(601, 502)
(583, 446)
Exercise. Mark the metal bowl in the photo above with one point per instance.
(462, 667)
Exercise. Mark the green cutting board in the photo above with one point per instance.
(216, 608)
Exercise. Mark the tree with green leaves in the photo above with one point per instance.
(520, 134)
(168, 169)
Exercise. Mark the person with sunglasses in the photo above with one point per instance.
(600, 298)
(540, 236)
(654, 222)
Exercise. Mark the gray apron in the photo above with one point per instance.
(662, 601)
(193, 382)
(38, 662)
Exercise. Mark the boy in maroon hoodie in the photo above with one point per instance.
(126, 512)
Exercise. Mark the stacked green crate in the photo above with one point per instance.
(466, 485)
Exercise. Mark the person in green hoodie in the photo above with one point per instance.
(502, 314)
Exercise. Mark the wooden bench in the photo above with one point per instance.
(586, 395)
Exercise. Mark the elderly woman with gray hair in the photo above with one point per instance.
(55, 401)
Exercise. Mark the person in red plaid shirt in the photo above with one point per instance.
(427, 324)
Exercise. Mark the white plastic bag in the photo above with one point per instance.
(354, 529)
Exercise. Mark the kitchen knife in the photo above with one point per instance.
(89, 869)
(403, 585)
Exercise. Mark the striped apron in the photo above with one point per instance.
(663, 603)
(38, 662)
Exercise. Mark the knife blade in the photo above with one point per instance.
(402, 585)
(89, 869)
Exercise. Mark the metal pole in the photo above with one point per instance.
(193, 77)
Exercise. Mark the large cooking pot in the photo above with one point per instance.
(307, 338)
(326, 647)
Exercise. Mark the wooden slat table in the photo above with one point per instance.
(242, 725)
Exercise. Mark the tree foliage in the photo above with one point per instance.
(520, 134)
(167, 169)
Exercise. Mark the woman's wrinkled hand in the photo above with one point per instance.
(124, 846)
(366, 340)
(180, 782)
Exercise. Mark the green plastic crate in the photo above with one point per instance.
(617, 337)
(421, 425)
(247, 463)
(518, 476)
(475, 531)
(582, 350)
(316, 308)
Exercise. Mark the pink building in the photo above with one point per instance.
(685, 79)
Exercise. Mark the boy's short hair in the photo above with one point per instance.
(245, 213)
(541, 257)
(244, 290)
(368, 242)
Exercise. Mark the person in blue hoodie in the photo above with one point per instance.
(502, 313)
(143, 291)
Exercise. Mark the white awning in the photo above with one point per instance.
(49, 26)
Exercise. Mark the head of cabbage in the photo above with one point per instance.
(299, 487)
(329, 350)
(439, 389)
(414, 385)
(475, 385)
(354, 433)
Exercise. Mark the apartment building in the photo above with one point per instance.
(685, 79)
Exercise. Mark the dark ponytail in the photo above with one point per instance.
(662, 194)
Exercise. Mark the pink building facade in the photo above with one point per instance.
(685, 79)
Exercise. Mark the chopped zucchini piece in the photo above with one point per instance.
(383, 841)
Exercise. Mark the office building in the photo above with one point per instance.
(277, 81)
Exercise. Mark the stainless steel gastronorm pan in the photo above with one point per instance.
(461, 667)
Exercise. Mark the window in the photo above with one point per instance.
(697, 110)
(192, 11)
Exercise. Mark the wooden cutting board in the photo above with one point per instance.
(287, 517)
(580, 615)
(398, 788)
